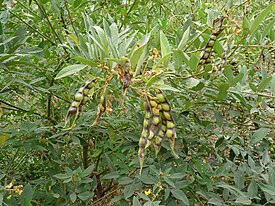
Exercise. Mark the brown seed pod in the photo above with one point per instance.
(145, 131)
(80, 98)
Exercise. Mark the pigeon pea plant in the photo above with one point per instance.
(137, 103)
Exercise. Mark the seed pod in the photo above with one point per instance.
(145, 131)
(80, 98)
(160, 136)
(168, 124)
(154, 127)
(102, 105)
(207, 51)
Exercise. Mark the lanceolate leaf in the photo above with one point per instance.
(69, 70)
(165, 48)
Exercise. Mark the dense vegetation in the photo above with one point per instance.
(137, 102)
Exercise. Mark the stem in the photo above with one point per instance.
(85, 159)
(32, 27)
(70, 18)
(18, 108)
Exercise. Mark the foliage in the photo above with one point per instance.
(213, 60)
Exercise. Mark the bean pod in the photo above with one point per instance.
(208, 49)
(80, 98)
(166, 114)
(145, 131)
(155, 123)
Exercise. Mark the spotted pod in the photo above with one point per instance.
(167, 120)
(156, 120)
(79, 100)
(102, 105)
(208, 49)
(160, 136)
(145, 131)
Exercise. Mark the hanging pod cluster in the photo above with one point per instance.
(158, 123)
(79, 100)
(208, 49)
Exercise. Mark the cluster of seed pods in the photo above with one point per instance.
(102, 104)
(158, 123)
(79, 100)
(208, 49)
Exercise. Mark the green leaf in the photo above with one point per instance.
(267, 29)
(166, 87)
(112, 175)
(153, 80)
(184, 38)
(264, 84)
(178, 58)
(222, 91)
(243, 200)
(73, 197)
(84, 195)
(252, 189)
(268, 189)
(86, 61)
(26, 196)
(125, 180)
(169, 182)
(165, 48)
(69, 70)
(193, 61)
(87, 171)
(136, 202)
(246, 25)
(178, 194)
(218, 48)
(62, 176)
(129, 190)
(110, 163)
(215, 201)
(272, 84)
(257, 21)
(259, 135)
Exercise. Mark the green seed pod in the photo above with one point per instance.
(153, 103)
(165, 107)
(213, 37)
(147, 115)
(155, 111)
(75, 104)
(169, 133)
(208, 49)
(206, 55)
(86, 91)
(202, 61)
(151, 135)
(78, 96)
(79, 99)
(167, 115)
(211, 42)
(161, 97)
(81, 89)
(159, 138)
(156, 120)
(170, 124)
